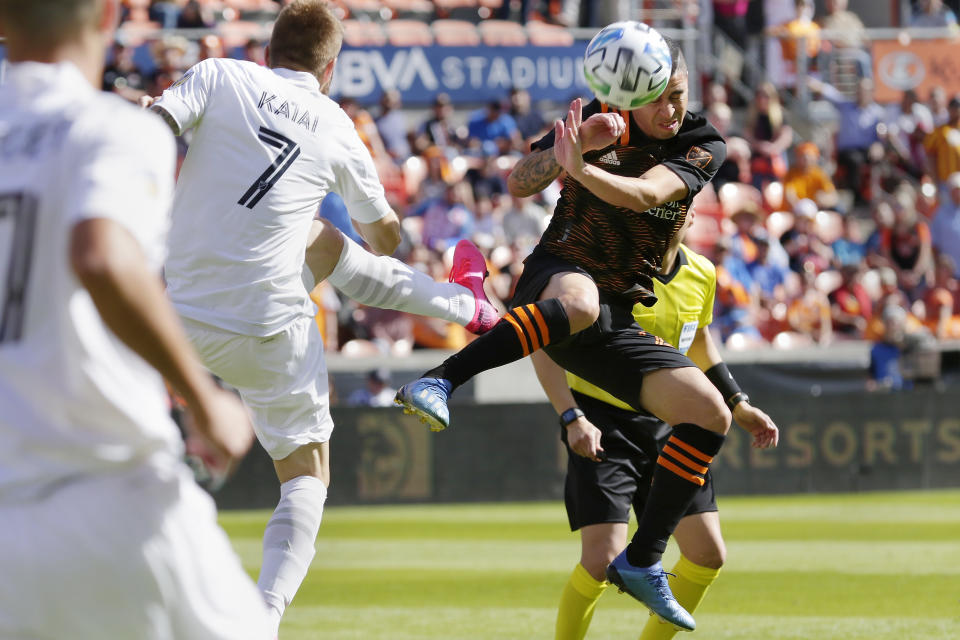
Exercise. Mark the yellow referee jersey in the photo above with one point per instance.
(684, 304)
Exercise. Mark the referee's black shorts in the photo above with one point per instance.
(614, 353)
(599, 492)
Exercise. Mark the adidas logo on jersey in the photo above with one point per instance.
(610, 157)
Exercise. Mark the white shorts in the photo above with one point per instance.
(282, 379)
(132, 554)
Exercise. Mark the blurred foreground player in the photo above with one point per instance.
(613, 450)
(104, 532)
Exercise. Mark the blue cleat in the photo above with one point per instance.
(650, 587)
(426, 398)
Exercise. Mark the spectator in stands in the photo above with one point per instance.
(376, 391)
(486, 179)
(937, 103)
(170, 55)
(846, 27)
(943, 145)
(122, 75)
(769, 136)
(439, 129)
(908, 125)
(730, 16)
(523, 219)
(490, 129)
(735, 311)
(940, 301)
(806, 179)
(211, 46)
(885, 373)
(392, 126)
(529, 121)
(882, 224)
(856, 132)
(447, 220)
(193, 16)
(802, 27)
(165, 12)
(809, 313)
(932, 13)
(849, 249)
(850, 304)
(945, 226)
(769, 277)
(908, 245)
(254, 51)
(801, 243)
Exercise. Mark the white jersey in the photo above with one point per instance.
(73, 398)
(267, 147)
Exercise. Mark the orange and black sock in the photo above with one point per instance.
(520, 332)
(680, 472)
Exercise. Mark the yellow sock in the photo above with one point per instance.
(689, 586)
(577, 603)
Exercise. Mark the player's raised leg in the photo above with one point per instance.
(388, 283)
(568, 304)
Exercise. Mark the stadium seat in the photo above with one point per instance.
(502, 33)
(239, 32)
(736, 195)
(366, 9)
(455, 33)
(362, 33)
(134, 34)
(542, 34)
(828, 226)
(773, 196)
(422, 10)
(458, 9)
(408, 33)
(778, 222)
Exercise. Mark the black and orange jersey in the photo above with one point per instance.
(620, 248)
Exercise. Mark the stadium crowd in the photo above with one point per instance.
(851, 232)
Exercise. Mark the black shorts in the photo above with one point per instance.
(614, 353)
(599, 492)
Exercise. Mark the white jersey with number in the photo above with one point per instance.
(267, 147)
(73, 398)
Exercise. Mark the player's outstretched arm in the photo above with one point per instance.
(539, 168)
(130, 298)
(704, 353)
(583, 437)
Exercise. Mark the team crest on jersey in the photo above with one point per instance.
(699, 157)
(182, 79)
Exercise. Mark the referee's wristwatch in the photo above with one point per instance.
(570, 415)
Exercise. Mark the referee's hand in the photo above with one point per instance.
(583, 438)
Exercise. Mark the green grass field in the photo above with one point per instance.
(882, 566)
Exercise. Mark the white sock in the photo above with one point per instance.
(388, 283)
(288, 542)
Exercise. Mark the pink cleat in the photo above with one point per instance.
(470, 270)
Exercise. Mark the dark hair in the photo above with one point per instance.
(306, 36)
(679, 64)
(49, 22)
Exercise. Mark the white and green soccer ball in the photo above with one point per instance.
(627, 64)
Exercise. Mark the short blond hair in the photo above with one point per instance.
(48, 22)
(306, 36)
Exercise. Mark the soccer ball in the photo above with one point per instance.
(627, 64)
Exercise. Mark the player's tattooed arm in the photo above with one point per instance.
(533, 173)
(163, 113)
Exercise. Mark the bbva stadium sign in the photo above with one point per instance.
(467, 74)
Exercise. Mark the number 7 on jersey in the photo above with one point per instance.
(289, 151)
